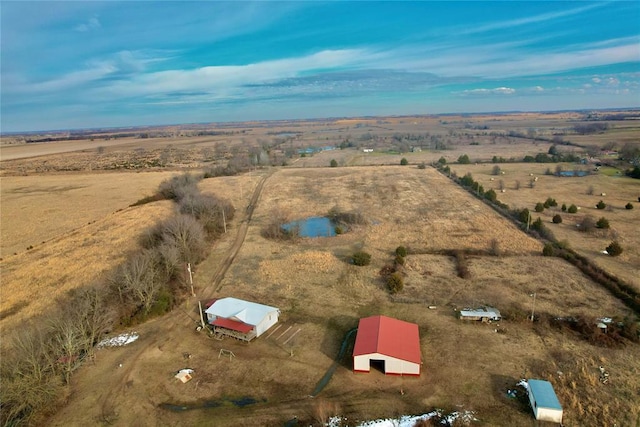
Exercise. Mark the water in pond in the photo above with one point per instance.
(573, 173)
(316, 226)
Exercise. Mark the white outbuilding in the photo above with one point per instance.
(544, 401)
(241, 319)
(484, 314)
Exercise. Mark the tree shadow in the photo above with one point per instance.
(333, 342)
(506, 387)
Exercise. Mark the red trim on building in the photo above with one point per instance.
(233, 325)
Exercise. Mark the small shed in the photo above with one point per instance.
(484, 314)
(241, 319)
(544, 401)
(393, 342)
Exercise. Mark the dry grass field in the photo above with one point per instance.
(34, 279)
(466, 366)
(618, 190)
(37, 208)
(83, 228)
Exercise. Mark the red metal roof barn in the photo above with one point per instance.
(394, 342)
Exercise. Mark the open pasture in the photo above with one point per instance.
(37, 208)
(584, 192)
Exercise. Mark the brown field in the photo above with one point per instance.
(36, 208)
(618, 190)
(465, 366)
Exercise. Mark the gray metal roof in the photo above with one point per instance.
(481, 312)
(543, 394)
(247, 312)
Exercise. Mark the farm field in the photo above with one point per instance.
(617, 190)
(85, 227)
(36, 208)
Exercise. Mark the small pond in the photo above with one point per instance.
(574, 173)
(315, 226)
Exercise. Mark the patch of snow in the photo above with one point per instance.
(403, 421)
(409, 420)
(119, 341)
(465, 416)
(335, 421)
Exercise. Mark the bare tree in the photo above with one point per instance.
(187, 234)
(92, 314)
(209, 210)
(138, 280)
(28, 378)
(169, 259)
(68, 343)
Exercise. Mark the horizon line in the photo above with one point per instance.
(142, 126)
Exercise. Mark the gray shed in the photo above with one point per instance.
(484, 314)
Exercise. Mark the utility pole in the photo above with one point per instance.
(190, 278)
(533, 308)
(224, 221)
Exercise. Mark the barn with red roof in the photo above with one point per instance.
(393, 342)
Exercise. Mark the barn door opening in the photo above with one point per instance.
(377, 365)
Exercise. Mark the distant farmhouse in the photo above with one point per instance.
(393, 342)
(241, 319)
(483, 314)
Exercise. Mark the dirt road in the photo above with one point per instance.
(242, 233)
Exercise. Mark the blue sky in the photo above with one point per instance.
(67, 65)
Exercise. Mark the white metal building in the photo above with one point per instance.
(242, 319)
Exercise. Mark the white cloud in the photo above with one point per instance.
(495, 91)
(500, 60)
(91, 24)
(596, 80)
(528, 20)
(226, 79)
(538, 89)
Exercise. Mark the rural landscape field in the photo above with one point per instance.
(75, 211)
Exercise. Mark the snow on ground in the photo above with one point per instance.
(410, 420)
(119, 341)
